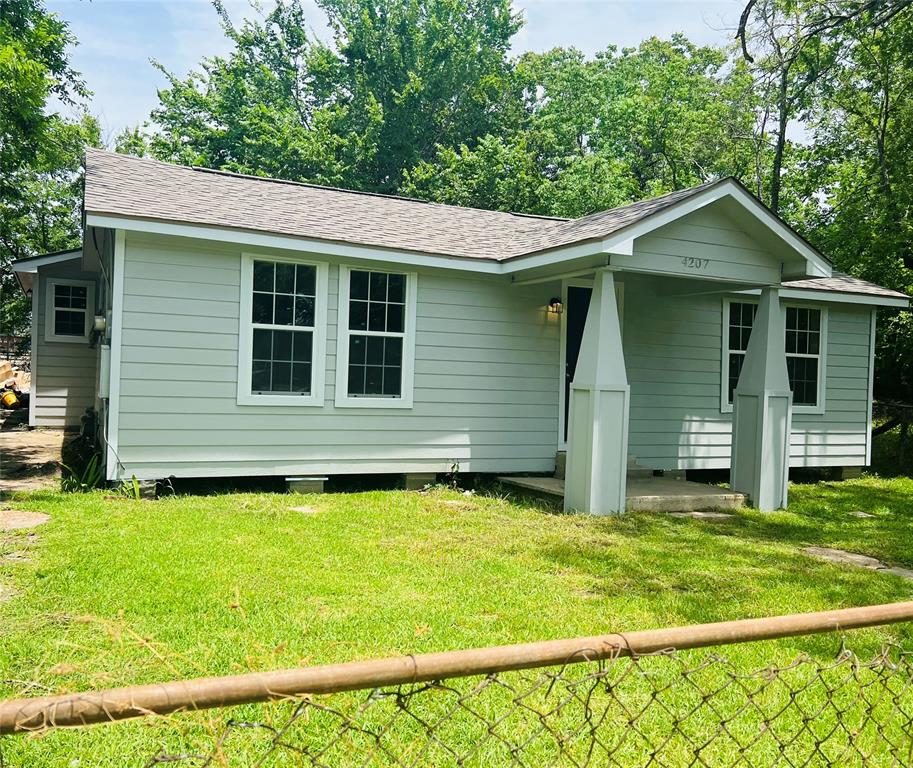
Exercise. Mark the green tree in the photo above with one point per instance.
(40, 151)
(595, 133)
(400, 79)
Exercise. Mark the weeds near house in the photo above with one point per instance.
(87, 479)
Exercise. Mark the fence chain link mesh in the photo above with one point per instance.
(665, 709)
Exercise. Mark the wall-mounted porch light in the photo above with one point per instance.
(555, 307)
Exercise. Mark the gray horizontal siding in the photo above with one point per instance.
(486, 379)
(65, 376)
(673, 354)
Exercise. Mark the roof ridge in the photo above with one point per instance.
(322, 187)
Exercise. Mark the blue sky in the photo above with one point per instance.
(117, 38)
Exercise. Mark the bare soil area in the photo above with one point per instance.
(29, 458)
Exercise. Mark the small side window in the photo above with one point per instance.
(69, 310)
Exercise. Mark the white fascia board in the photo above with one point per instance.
(835, 297)
(287, 243)
(554, 257)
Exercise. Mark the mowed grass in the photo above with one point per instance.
(116, 592)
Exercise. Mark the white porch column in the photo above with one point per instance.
(597, 440)
(762, 410)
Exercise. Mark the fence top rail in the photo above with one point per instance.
(22, 715)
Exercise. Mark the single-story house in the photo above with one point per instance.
(229, 325)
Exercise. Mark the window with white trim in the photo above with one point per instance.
(70, 307)
(375, 354)
(283, 331)
(804, 342)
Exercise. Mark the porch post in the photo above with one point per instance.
(762, 410)
(597, 441)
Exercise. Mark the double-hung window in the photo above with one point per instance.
(70, 306)
(805, 345)
(282, 331)
(376, 341)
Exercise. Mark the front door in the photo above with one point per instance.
(578, 303)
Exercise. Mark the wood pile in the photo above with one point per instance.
(13, 377)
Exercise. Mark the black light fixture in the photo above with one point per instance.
(555, 307)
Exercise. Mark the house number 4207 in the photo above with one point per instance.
(690, 262)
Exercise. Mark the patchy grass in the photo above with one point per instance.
(113, 591)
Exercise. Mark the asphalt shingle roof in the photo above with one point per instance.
(123, 185)
(843, 283)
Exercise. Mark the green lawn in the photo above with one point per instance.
(115, 591)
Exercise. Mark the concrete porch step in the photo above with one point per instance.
(647, 494)
(634, 469)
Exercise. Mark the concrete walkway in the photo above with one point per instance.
(647, 494)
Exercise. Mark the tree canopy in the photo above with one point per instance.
(40, 150)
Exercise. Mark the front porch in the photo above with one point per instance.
(646, 494)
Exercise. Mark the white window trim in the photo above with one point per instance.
(48, 292)
(246, 335)
(726, 407)
(343, 400)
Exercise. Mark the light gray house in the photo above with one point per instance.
(225, 325)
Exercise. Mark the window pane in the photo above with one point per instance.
(395, 318)
(301, 377)
(378, 286)
(392, 382)
(358, 316)
(262, 308)
(735, 368)
(282, 377)
(303, 348)
(375, 350)
(393, 352)
(358, 285)
(62, 296)
(69, 323)
(282, 345)
(357, 348)
(791, 341)
(396, 289)
(284, 305)
(356, 380)
(803, 379)
(376, 317)
(306, 282)
(285, 278)
(374, 379)
(260, 373)
(304, 311)
(814, 340)
(263, 344)
(263, 276)
(78, 296)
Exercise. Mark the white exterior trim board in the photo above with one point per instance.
(112, 461)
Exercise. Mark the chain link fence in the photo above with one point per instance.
(664, 709)
(610, 705)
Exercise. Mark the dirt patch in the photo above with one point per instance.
(304, 510)
(13, 520)
(29, 458)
